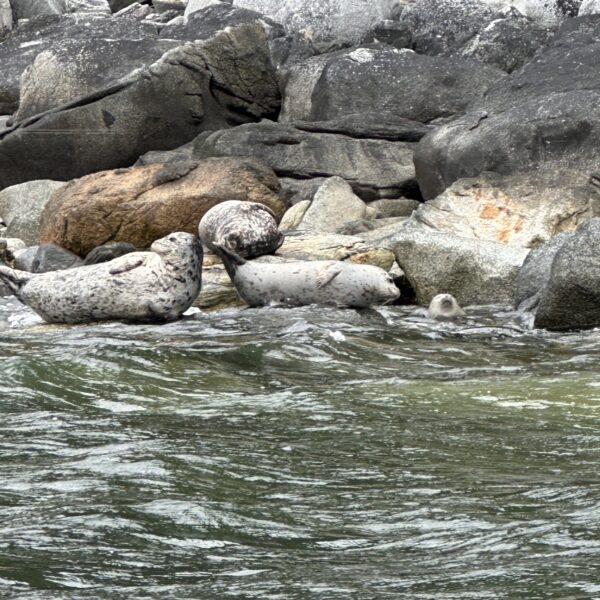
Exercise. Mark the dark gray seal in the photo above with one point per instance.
(247, 228)
(328, 282)
(158, 285)
(444, 307)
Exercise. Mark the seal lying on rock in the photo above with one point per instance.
(444, 307)
(247, 228)
(329, 282)
(142, 286)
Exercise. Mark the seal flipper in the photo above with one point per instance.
(230, 259)
(126, 265)
(14, 279)
(328, 275)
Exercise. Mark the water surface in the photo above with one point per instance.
(298, 453)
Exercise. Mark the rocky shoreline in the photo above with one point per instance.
(455, 144)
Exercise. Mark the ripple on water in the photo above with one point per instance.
(298, 453)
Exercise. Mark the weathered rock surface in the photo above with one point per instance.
(333, 205)
(44, 258)
(209, 84)
(535, 272)
(394, 207)
(77, 66)
(571, 299)
(6, 18)
(589, 7)
(326, 20)
(196, 5)
(414, 86)
(293, 216)
(473, 271)
(544, 117)
(36, 9)
(141, 204)
(21, 208)
(510, 210)
(374, 168)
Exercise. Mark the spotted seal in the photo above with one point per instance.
(142, 286)
(247, 228)
(444, 307)
(329, 282)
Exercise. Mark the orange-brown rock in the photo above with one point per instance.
(141, 204)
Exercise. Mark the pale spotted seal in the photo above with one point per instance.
(444, 307)
(247, 228)
(329, 282)
(142, 286)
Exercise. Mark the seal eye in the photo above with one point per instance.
(172, 238)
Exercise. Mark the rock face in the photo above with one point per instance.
(76, 66)
(334, 205)
(380, 78)
(473, 271)
(326, 20)
(512, 210)
(535, 272)
(21, 208)
(374, 168)
(544, 117)
(209, 84)
(571, 299)
(142, 204)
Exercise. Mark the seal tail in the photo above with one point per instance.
(230, 259)
(14, 279)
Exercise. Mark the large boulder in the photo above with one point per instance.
(571, 299)
(374, 168)
(473, 271)
(544, 117)
(534, 275)
(21, 208)
(513, 210)
(211, 84)
(379, 78)
(75, 66)
(141, 204)
(326, 20)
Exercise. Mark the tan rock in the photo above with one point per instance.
(293, 216)
(141, 204)
(509, 210)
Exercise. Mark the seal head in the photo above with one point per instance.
(444, 307)
(247, 228)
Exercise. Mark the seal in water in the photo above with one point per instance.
(330, 282)
(158, 285)
(444, 307)
(247, 228)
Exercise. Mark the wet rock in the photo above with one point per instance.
(535, 272)
(44, 258)
(473, 271)
(409, 85)
(544, 117)
(208, 84)
(571, 299)
(141, 204)
(333, 205)
(514, 210)
(374, 168)
(326, 20)
(107, 252)
(21, 208)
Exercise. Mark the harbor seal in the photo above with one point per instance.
(247, 228)
(329, 282)
(155, 286)
(444, 307)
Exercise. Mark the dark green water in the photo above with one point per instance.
(298, 454)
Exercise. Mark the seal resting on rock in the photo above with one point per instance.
(444, 307)
(247, 228)
(329, 282)
(158, 285)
